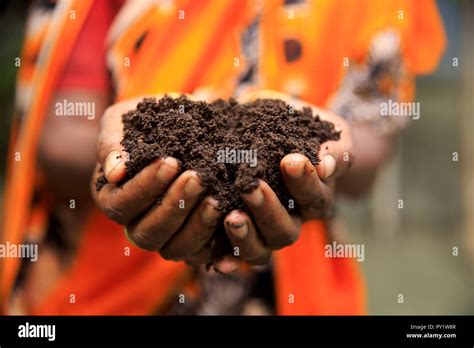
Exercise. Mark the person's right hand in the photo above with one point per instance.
(177, 231)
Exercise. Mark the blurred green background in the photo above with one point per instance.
(12, 17)
(408, 251)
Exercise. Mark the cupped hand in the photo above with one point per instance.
(160, 207)
(179, 224)
(270, 227)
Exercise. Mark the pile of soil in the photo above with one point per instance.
(197, 134)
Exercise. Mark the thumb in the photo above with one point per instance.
(114, 166)
(109, 152)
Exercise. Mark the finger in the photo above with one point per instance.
(243, 235)
(336, 155)
(159, 224)
(195, 233)
(226, 265)
(201, 257)
(122, 204)
(109, 152)
(304, 185)
(274, 223)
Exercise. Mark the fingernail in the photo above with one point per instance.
(210, 213)
(295, 169)
(239, 230)
(193, 188)
(329, 166)
(227, 265)
(114, 158)
(167, 170)
(255, 198)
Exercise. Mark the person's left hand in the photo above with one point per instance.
(270, 227)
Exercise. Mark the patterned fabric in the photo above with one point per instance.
(366, 86)
(40, 19)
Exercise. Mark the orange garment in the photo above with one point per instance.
(202, 50)
(58, 36)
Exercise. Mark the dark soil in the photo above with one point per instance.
(195, 132)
